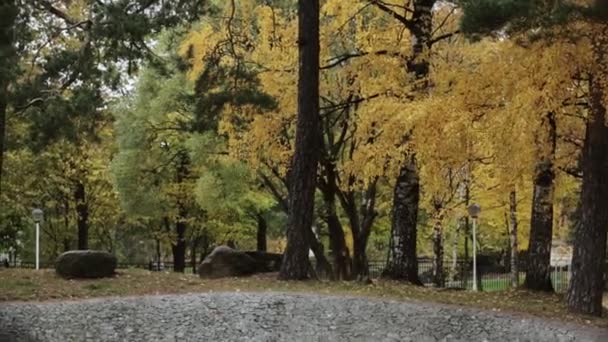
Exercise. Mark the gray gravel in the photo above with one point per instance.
(271, 317)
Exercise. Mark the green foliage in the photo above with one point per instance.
(490, 15)
(232, 198)
(8, 16)
(149, 131)
(485, 16)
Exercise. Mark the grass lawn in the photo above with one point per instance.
(30, 285)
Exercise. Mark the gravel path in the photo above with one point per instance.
(271, 317)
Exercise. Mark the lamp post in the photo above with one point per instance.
(474, 211)
(38, 216)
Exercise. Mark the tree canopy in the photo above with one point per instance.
(190, 124)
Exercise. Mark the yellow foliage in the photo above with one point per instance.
(478, 123)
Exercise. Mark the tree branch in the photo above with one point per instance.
(383, 7)
(442, 37)
(57, 12)
(333, 62)
(572, 172)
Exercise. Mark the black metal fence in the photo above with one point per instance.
(489, 278)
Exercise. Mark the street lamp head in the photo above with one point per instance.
(474, 210)
(37, 215)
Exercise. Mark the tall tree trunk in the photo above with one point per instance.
(361, 219)
(158, 255)
(261, 233)
(193, 247)
(337, 240)
(438, 274)
(538, 274)
(303, 175)
(513, 238)
(402, 261)
(466, 269)
(455, 238)
(82, 212)
(3, 105)
(323, 267)
(360, 262)
(179, 247)
(205, 248)
(339, 249)
(587, 282)
(8, 16)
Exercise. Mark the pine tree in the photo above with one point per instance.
(75, 48)
(8, 18)
(303, 173)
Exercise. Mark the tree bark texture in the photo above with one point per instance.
(179, 246)
(513, 239)
(586, 286)
(361, 216)
(8, 16)
(303, 173)
(261, 233)
(538, 274)
(337, 240)
(323, 268)
(82, 215)
(403, 263)
(438, 273)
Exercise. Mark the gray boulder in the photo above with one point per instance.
(266, 262)
(85, 264)
(224, 261)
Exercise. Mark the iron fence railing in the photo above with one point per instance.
(488, 278)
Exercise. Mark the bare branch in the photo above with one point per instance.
(383, 7)
(571, 171)
(443, 36)
(333, 62)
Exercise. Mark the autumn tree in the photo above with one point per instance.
(566, 19)
(586, 288)
(538, 273)
(403, 260)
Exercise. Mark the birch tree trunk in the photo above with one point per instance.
(402, 263)
(538, 274)
(402, 260)
(438, 274)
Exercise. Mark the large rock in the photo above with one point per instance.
(266, 262)
(85, 264)
(224, 261)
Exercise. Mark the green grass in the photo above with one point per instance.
(31, 285)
